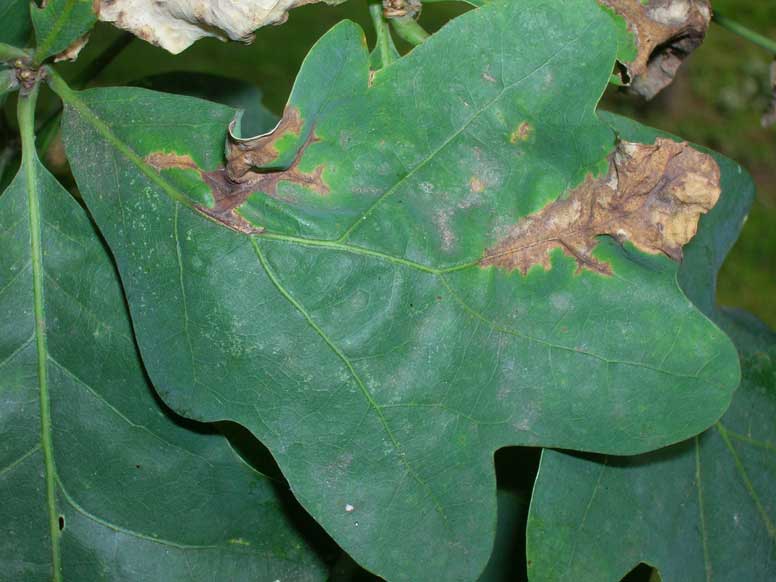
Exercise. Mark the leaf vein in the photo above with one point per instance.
(359, 382)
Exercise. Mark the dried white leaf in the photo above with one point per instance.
(175, 24)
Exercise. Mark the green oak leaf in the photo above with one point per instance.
(516, 471)
(358, 336)
(700, 510)
(17, 26)
(98, 480)
(59, 24)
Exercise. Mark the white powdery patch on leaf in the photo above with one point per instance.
(176, 24)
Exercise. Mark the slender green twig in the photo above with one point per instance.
(744, 32)
(384, 43)
(48, 128)
(408, 29)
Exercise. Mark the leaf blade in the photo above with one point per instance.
(701, 487)
(60, 24)
(280, 323)
(99, 479)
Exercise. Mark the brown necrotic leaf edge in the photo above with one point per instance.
(666, 32)
(652, 196)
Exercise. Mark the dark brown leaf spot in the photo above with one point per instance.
(243, 155)
(229, 194)
(666, 32)
(652, 195)
(226, 194)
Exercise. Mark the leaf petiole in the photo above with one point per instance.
(26, 117)
(384, 44)
(409, 29)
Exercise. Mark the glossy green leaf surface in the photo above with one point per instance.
(98, 480)
(16, 27)
(358, 337)
(703, 509)
(59, 24)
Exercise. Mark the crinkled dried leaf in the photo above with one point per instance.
(358, 335)
(666, 32)
(175, 26)
(652, 196)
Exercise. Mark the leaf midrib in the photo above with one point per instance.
(29, 159)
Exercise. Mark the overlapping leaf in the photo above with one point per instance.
(17, 26)
(98, 480)
(59, 24)
(700, 510)
(358, 335)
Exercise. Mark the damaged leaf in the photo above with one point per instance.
(665, 32)
(175, 26)
(712, 496)
(358, 335)
(61, 26)
(652, 196)
(94, 470)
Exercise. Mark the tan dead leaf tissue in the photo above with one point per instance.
(666, 32)
(175, 25)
